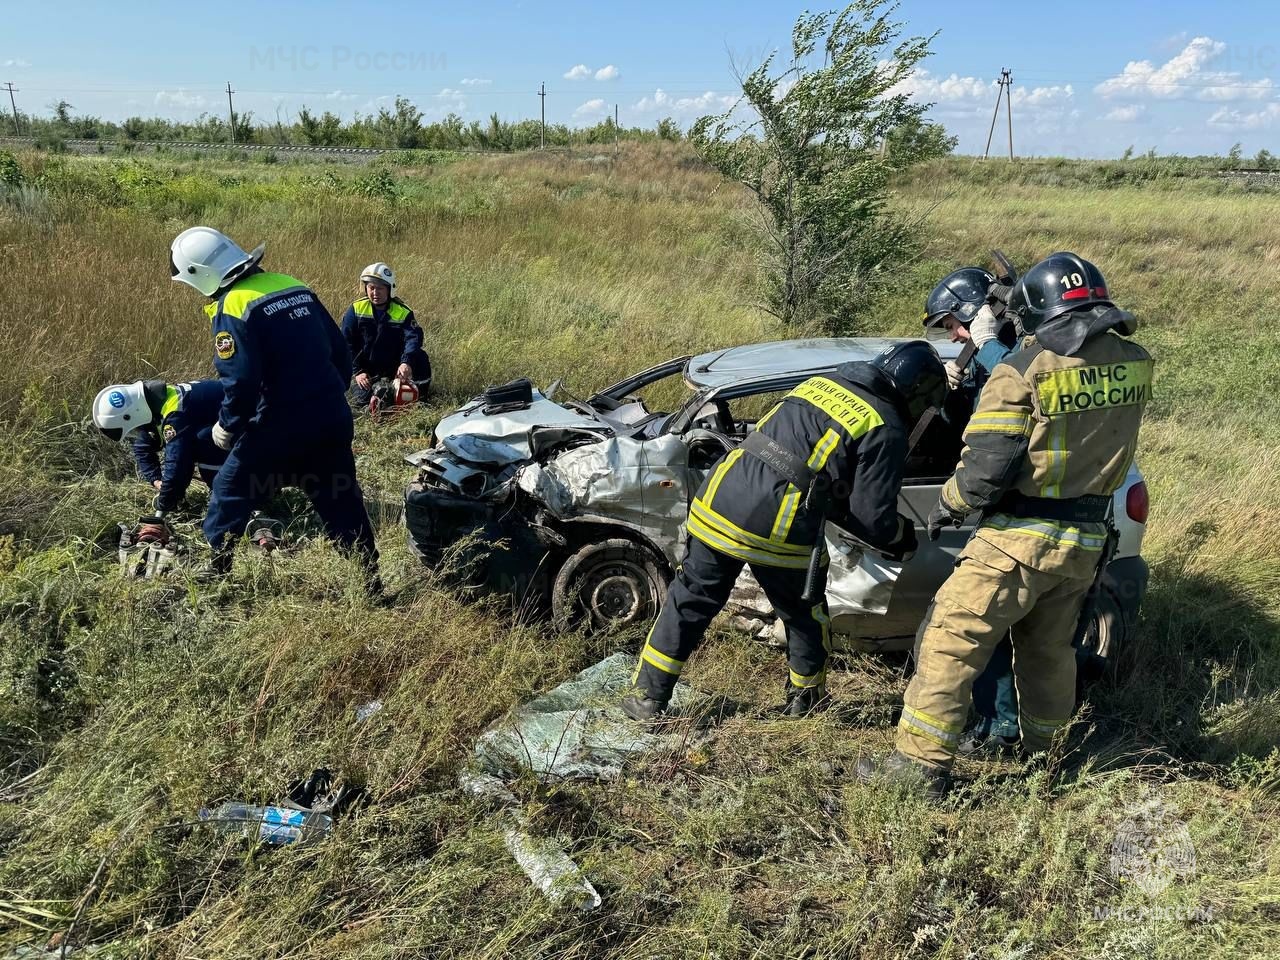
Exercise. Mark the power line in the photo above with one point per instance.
(17, 132)
(1006, 91)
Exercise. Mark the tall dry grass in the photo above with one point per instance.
(130, 705)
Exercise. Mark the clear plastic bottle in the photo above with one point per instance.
(274, 825)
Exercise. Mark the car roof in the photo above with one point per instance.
(759, 361)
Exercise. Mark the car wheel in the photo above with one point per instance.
(1106, 639)
(610, 584)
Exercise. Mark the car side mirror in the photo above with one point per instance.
(553, 388)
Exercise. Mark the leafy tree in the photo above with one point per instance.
(1264, 160)
(805, 141)
(915, 140)
(1233, 157)
(668, 129)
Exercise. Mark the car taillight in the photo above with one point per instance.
(1137, 503)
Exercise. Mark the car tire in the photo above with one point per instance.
(607, 585)
(1106, 639)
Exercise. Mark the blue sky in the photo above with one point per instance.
(1090, 78)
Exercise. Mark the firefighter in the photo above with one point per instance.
(384, 337)
(284, 418)
(967, 304)
(1052, 439)
(173, 419)
(834, 448)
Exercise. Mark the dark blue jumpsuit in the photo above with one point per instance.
(284, 367)
(382, 338)
(183, 430)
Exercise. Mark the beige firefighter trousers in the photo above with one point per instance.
(988, 594)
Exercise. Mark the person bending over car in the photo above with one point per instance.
(384, 337)
(834, 448)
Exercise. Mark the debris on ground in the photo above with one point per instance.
(307, 814)
(574, 731)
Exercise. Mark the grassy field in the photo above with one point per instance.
(129, 705)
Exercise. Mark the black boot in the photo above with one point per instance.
(928, 781)
(640, 707)
(218, 568)
(805, 701)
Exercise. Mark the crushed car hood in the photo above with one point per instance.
(502, 438)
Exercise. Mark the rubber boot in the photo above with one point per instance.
(929, 782)
(805, 701)
(639, 707)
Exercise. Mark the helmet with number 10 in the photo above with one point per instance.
(1059, 283)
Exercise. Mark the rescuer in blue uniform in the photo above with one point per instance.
(384, 337)
(171, 429)
(284, 420)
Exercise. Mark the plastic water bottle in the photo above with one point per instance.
(273, 825)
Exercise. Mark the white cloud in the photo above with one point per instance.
(181, 99)
(16, 63)
(591, 108)
(474, 82)
(580, 72)
(922, 85)
(607, 73)
(1185, 76)
(956, 93)
(338, 95)
(1230, 119)
(447, 100)
(1129, 113)
(663, 102)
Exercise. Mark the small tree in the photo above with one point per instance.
(668, 129)
(1233, 157)
(810, 152)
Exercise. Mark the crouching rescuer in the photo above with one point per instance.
(1050, 442)
(834, 448)
(384, 339)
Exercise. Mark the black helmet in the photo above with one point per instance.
(1059, 283)
(916, 372)
(960, 294)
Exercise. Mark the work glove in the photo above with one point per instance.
(940, 517)
(223, 439)
(985, 326)
(904, 548)
(998, 297)
(955, 374)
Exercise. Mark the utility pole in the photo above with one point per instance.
(615, 130)
(1005, 90)
(16, 131)
(231, 112)
(542, 131)
(1008, 105)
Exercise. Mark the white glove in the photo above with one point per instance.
(955, 375)
(222, 439)
(984, 326)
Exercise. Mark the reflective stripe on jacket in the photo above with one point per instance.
(1055, 427)
(851, 438)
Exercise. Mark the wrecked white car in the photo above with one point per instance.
(579, 505)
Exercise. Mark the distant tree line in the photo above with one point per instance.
(400, 126)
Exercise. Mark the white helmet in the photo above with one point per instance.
(120, 409)
(381, 273)
(208, 259)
